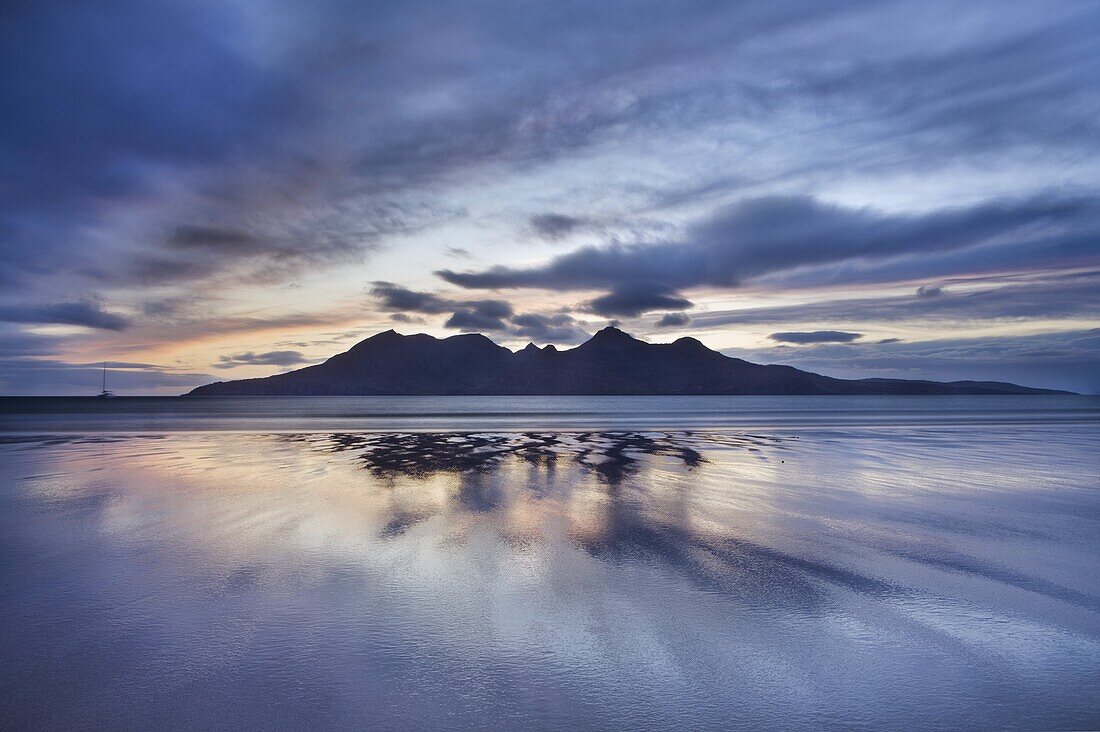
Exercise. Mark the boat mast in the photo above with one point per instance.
(104, 377)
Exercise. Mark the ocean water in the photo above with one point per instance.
(577, 563)
(514, 413)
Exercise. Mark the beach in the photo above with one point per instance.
(865, 567)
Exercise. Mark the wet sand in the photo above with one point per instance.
(870, 577)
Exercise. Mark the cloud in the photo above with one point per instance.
(267, 254)
(405, 318)
(1074, 296)
(39, 376)
(17, 343)
(470, 321)
(480, 315)
(782, 233)
(466, 315)
(196, 328)
(188, 99)
(556, 328)
(166, 306)
(633, 299)
(228, 121)
(86, 314)
(494, 316)
(262, 143)
(270, 358)
(395, 297)
(1068, 359)
(816, 336)
(673, 320)
(930, 291)
(154, 269)
(489, 308)
(217, 239)
(555, 226)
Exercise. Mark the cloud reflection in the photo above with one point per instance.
(591, 565)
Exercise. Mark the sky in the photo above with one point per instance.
(198, 191)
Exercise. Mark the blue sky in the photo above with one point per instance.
(209, 190)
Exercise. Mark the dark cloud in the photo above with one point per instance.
(555, 226)
(467, 315)
(767, 235)
(86, 314)
(150, 269)
(556, 328)
(231, 256)
(405, 318)
(815, 336)
(496, 316)
(489, 308)
(221, 240)
(929, 291)
(633, 299)
(471, 320)
(480, 315)
(673, 320)
(395, 297)
(269, 358)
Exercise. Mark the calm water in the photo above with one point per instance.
(668, 563)
(135, 414)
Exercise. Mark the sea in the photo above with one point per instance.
(641, 563)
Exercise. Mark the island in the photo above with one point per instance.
(610, 363)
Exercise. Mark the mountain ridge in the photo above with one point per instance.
(611, 362)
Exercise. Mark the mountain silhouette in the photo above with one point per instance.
(611, 362)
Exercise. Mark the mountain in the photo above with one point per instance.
(611, 362)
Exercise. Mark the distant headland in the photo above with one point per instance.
(610, 363)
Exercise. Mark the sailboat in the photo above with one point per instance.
(105, 394)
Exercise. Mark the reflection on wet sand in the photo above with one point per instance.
(641, 578)
(620, 524)
(611, 455)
